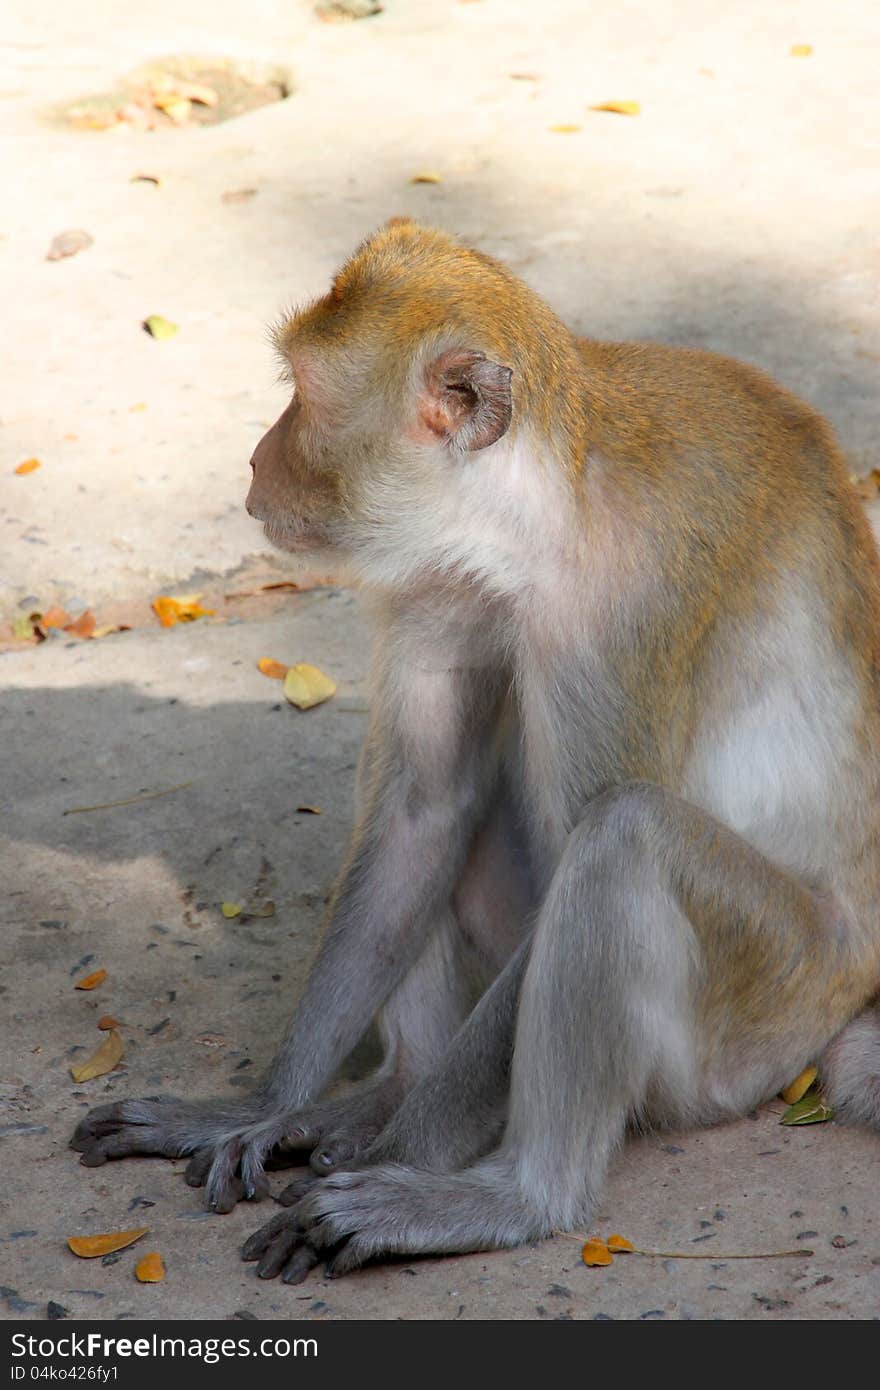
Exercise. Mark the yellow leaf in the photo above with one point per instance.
(564, 129)
(619, 1245)
(138, 405)
(596, 1252)
(90, 1247)
(150, 1269)
(305, 686)
(108, 1055)
(92, 981)
(159, 327)
(176, 107)
(619, 108)
(798, 1088)
(184, 608)
(230, 910)
(29, 466)
(22, 629)
(801, 50)
(275, 670)
(106, 630)
(426, 176)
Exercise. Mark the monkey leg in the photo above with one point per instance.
(668, 979)
(490, 913)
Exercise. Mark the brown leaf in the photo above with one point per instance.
(92, 981)
(68, 244)
(596, 1252)
(618, 108)
(275, 670)
(145, 178)
(29, 466)
(83, 626)
(426, 176)
(90, 1247)
(107, 1056)
(107, 1021)
(150, 1269)
(55, 617)
(309, 810)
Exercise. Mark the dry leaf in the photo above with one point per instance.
(798, 1088)
(619, 1245)
(811, 1109)
(275, 670)
(145, 178)
(108, 1055)
(92, 981)
(305, 686)
(107, 1021)
(177, 108)
(55, 617)
(181, 608)
(266, 910)
(90, 1247)
(29, 466)
(138, 405)
(341, 11)
(426, 176)
(801, 50)
(68, 244)
(230, 910)
(564, 129)
(596, 1252)
(23, 629)
(309, 810)
(159, 327)
(869, 486)
(83, 626)
(523, 76)
(150, 1269)
(619, 108)
(238, 195)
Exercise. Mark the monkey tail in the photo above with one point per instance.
(850, 1070)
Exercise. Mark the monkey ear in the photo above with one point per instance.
(465, 400)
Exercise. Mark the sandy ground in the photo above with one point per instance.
(737, 211)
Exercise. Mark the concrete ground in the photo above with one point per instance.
(737, 211)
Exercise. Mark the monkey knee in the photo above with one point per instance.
(614, 831)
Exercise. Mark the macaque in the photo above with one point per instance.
(616, 857)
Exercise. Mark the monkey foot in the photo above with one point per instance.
(355, 1216)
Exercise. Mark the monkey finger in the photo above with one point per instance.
(199, 1166)
(333, 1154)
(296, 1190)
(262, 1238)
(121, 1143)
(299, 1265)
(345, 1260)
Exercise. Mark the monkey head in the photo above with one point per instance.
(404, 381)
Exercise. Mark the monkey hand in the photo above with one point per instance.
(228, 1141)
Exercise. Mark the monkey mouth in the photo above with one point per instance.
(296, 540)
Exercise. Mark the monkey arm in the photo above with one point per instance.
(426, 780)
